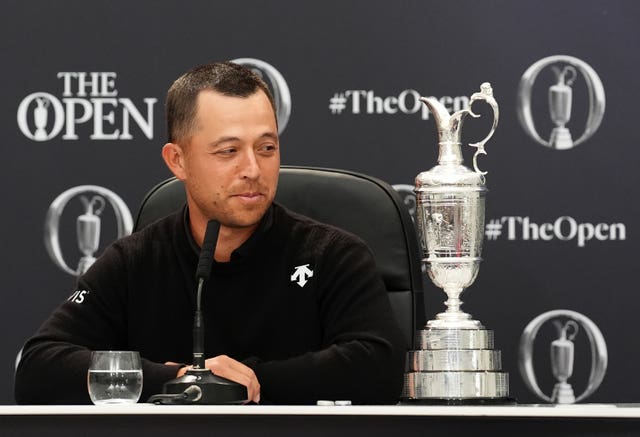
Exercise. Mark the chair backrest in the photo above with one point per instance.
(360, 204)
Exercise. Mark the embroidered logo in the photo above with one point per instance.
(78, 296)
(301, 274)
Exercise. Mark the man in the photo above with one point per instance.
(333, 337)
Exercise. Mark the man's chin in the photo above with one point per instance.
(244, 221)
(239, 225)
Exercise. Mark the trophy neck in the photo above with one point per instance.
(449, 153)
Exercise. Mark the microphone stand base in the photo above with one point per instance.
(214, 390)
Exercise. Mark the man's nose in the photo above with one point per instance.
(250, 168)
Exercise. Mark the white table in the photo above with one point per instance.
(255, 420)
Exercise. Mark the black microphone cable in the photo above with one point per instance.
(190, 394)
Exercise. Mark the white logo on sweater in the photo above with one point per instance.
(301, 274)
(78, 296)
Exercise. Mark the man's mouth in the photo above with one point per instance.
(249, 196)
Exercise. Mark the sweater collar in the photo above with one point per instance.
(242, 252)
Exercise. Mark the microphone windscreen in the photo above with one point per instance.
(208, 250)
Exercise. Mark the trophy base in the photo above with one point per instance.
(454, 319)
(453, 360)
(454, 339)
(460, 402)
(443, 322)
(461, 386)
(455, 365)
(563, 394)
(84, 264)
(560, 138)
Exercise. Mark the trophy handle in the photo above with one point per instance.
(95, 206)
(42, 102)
(566, 76)
(486, 94)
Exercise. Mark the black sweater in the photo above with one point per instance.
(334, 337)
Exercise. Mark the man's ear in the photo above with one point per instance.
(173, 156)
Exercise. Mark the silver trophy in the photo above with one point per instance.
(41, 115)
(88, 231)
(562, 355)
(562, 352)
(454, 360)
(88, 224)
(560, 99)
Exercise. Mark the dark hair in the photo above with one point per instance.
(226, 78)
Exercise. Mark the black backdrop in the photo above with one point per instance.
(384, 52)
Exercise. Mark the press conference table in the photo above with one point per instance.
(256, 420)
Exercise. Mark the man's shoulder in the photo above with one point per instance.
(303, 227)
(161, 231)
(143, 251)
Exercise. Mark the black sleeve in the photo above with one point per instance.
(363, 355)
(54, 364)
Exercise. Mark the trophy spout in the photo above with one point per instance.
(450, 127)
(449, 131)
(440, 114)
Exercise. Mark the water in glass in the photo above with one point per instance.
(115, 387)
(114, 377)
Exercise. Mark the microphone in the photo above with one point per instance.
(202, 274)
(209, 244)
(199, 385)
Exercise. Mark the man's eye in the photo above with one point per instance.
(268, 147)
(228, 151)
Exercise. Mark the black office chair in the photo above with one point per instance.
(360, 204)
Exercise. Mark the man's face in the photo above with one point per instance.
(232, 161)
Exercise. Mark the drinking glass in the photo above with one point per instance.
(114, 377)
